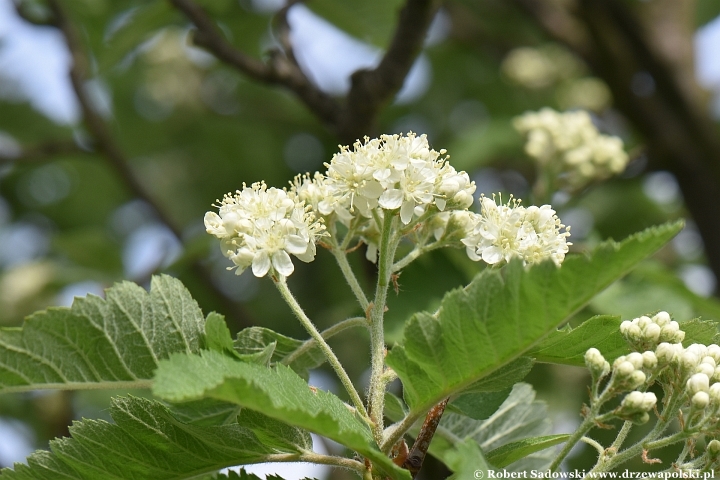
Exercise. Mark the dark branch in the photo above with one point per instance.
(106, 145)
(372, 89)
(43, 152)
(280, 70)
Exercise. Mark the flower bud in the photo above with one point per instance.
(715, 392)
(650, 360)
(706, 369)
(625, 326)
(713, 448)
(714, 352)
(652, 332)
(688, 361)
(700, 400)
(596, 363)
(661, 318)
(666, 352)
(633, 401)
(623, 369)
(699, 382)
(636, 379)
(643, 322)
(636, 359)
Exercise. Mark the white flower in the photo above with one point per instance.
(510, 230)
(572, 143)
(261, 227)
(395, 172)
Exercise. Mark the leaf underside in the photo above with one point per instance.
(102, 343)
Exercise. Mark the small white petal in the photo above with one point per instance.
(391, 199)
(295, 244)
(282, 264)
(406, 211)
(261, 264)
(492, 255)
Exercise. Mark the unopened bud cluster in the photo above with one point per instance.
(694, 370)
(391, 175)
(648, 332)
(569, 143)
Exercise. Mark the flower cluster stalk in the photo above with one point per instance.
(287, 295)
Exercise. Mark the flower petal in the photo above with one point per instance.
(261, 264)
(282, 264)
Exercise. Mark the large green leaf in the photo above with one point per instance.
(502, 313)
(519, 418)
(253, 340)
(114, 342)
(146, 441)
(277, 392)
(568, 345)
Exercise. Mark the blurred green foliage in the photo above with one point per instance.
(193, 128)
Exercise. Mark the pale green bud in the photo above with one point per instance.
(662, 318)
(623, 369)
(596, 363)
(699, 382)
(650, 360)
(652, 332)
(637, 378)
(636, 359)
(713, 448)
(714, 392)
(666, 352)
(706, 369)
(700, 400)
(714, 351)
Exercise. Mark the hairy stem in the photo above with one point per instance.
(326, 334)
(287, 295)
(350, 278)
(376, 400)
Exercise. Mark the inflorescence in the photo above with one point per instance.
(394, 174)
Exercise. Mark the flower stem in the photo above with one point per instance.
(376, 400)
(350, 278)
(415, 254)
(328, 333)
(287, 295)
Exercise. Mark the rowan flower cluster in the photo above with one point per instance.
(391, 175)
(501, 232)
(262, 226)
(569, 144)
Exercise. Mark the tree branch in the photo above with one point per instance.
(372, 89)
(111, 150)
(279, 71)
(43, 151)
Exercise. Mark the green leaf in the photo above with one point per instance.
(206, 412)
(518, 418)
(217, 334)
(395, 408)
(502, 313)
(254, 339)
(467, 461)
(243, 475)
(146, 441)
(478, 405)
(273, 433)
(504, 377)
(567, 346)
(512, 452)
(276, 392)
(114, 342)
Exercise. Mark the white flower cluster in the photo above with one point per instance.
(392, 175)
(262, 226)
(542, 67)
(570, 143)
(392, 172)
(503, 231)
